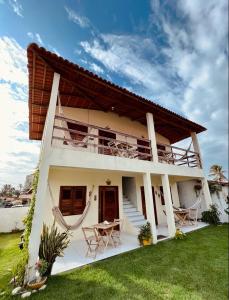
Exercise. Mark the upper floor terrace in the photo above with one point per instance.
(148, 133)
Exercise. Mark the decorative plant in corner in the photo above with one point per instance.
(52, 245)
(179, 235)
(145, 235)
(211, 216)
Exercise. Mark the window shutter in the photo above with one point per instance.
(72, 200)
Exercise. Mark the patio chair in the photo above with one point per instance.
(93, 239)
(192, 211)
(116, 233)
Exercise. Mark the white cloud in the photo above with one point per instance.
(126, 55)
(76, 18)
(55, 51)
(187, 74)
(35, 37)
(97, 69)
(18, 155)
(13, 61)
(17, 7)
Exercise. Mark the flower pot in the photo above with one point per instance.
(36, 285)
(147, 242)
(49, 270)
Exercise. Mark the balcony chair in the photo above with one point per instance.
(116, 234)
(93, 240)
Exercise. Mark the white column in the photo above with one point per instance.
(152, 135)
(149, 204)
(168, 205)
(206, 192)
(196, 146)
(34, 241)
(175, 195)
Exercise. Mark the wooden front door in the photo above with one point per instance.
(144, 204)
(108, 203)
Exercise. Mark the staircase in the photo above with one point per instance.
(134, 216)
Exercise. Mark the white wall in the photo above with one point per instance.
(187, 197)
(70, 177)
(220, 200)
(11, 218)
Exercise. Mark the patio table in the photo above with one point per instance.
(107, 230)
(181, 215)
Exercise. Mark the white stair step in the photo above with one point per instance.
(128, 206)
(130, 209)
(139, 223)
(136, 218)
(131, 213)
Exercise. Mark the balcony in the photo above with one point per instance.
(68, 133)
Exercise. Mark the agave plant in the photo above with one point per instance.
(52, 245)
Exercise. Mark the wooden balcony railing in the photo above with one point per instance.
(178, 156)
(87, 137)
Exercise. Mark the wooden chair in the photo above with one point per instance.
(116, 234)
(93, 239)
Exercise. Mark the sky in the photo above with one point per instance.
(174, 53)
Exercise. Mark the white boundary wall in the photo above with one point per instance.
(11, 218)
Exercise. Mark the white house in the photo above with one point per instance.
(102, 142)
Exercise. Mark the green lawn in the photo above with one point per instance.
(9, 254)
(195, 268)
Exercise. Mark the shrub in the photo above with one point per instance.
(179, 235)
(211, 216)
(19, 270)
(145, 233)
(52, 244)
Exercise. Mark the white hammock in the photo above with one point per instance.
(60, 219)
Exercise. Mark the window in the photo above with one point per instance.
(72, 200)
(142, 150)
(160, 147)
(104, 142)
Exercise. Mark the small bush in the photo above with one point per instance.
(211, 216)
(179, 235)
(145, 233)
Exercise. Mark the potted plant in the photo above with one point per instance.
(145, 235)
(52, 245)
(179, 235)
(197, 188)
(41, 267)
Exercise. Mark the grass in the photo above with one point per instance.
(195, 268)
(9, 254)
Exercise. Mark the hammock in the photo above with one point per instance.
(67, 134)
(60, 219)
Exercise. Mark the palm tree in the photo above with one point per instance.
(217, 171)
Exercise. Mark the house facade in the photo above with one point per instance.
(104, 143)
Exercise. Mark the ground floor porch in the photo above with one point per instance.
(74, 256)
(133, 197)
